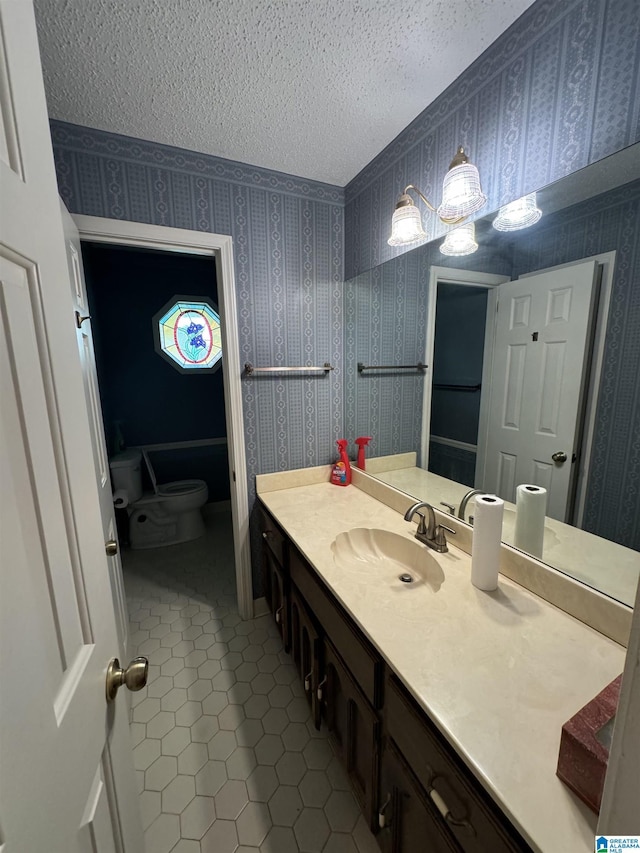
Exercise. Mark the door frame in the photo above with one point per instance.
(220, 247)
(445, 275)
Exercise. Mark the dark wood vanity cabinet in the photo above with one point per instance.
(414, 790)
(456, 800)
(406, 819)
(275, 575)
(306, 651)
(353, 728)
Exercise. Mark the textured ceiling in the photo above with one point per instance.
(315, 88)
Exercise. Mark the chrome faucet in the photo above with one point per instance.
(428, 532)
(465, 500)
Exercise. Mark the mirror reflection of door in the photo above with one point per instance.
(535, 359)
(457, 380)
(541, 353)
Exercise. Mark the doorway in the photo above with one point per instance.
(178, 418)
(457, 380)
(219, 247)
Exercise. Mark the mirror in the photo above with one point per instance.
(392, 317)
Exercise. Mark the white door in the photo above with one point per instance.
(66, 775)
(92, 402)
(540, 355)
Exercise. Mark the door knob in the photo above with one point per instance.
(111, 547)
(134, 676)
(559, 457)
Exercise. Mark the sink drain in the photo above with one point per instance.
(406, 578)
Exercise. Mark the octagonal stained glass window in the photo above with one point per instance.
(188, 334)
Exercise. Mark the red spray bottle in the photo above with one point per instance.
(362, 442)
(341, 471)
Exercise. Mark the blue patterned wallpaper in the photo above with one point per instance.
(385, 312)
(288, 239)
(558, 90)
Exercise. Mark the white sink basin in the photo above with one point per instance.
(388, 557)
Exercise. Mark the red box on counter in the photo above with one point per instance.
(585, 743)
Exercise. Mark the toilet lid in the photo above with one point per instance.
(181, 487)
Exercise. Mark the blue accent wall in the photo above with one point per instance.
(151, 401)
(558, 90)
(457, 360)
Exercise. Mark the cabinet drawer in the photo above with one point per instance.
(473, 819)
(273, 537)
(408, 820)
(362, 660)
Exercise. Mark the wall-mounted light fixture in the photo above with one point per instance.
(460, 241)
(519, 214)
(461, 196)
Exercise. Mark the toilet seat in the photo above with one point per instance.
(180, 487)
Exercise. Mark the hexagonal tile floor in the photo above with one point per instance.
(227, 757)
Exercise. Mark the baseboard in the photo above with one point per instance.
(215, 507)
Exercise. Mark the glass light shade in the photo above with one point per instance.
(406, 226)
(460, 241)
(461, 193)
(519, 214)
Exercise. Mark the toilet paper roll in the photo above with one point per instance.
(120, 499)
(531, 508)
(487, 536)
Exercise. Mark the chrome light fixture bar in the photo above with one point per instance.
(461, 196)
(521, 213)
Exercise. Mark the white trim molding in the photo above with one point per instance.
(220, 247)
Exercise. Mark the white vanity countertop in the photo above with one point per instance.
(576, 552)
(499, 673)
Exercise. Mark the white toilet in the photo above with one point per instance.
(168, 515)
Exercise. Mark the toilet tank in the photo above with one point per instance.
(126, 473)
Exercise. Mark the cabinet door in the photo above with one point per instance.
(405, 817)
(305, 651)
(353, 726)
(277, 594)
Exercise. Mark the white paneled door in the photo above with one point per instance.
(541, 349)
(93, 407)
(66, 775)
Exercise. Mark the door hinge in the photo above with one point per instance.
(534, 336)
(233, 474)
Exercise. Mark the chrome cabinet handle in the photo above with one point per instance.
(382, 820)
(308, 682)
(319, 689)
(446, 813)
(278, 615)
(134, 676)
